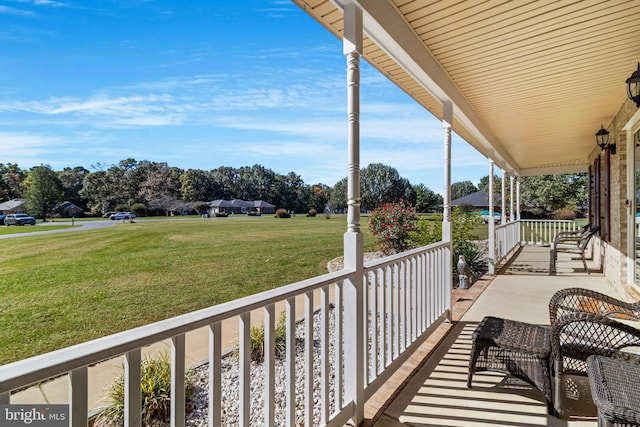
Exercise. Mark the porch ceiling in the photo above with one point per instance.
(530, 82)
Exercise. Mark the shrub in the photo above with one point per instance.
(155, 384)
(392, 225)
(462, 228)
(122, 207)
(312, 212)
(282, 213)
(256, 340)
(139, 209)
(564, 214)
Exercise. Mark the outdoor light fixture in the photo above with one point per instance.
(602, 138)
(633, 86)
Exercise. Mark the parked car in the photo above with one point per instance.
(122, 215)
(2, 217)
(19, 219)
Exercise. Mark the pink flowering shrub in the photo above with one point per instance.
(391, 225)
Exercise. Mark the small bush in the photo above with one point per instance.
(392, 225)
(564, 214)
(139, 209)
(122, 207)
(312, 212)
(256, 340)
(155, 396)
(282, 213)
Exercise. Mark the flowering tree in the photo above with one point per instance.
(391, 225)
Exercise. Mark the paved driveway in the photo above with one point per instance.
(80, 225)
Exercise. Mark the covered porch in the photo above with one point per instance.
(430, 390)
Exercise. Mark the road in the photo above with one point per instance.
(80, 225)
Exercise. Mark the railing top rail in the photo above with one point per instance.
(28, 371)
(568, 221)
(381, 262)
(508, 224)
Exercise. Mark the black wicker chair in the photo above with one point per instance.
(575, 300)
(615, 390)
(575, 337)
(538, 353)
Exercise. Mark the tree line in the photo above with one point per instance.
(161, 189)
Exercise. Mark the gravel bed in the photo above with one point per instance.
(231, 388)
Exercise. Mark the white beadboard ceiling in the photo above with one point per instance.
(530, 81)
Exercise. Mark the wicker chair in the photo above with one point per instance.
(615, 390)
(575, 337)
(575, 300)
(572, 245)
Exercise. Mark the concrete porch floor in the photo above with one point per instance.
(432, 385)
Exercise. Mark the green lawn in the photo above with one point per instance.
(30, 229)
(60, 289)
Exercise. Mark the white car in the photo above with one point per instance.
(122, 215)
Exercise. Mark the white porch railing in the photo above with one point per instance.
(507, 238)
(542, 232)
(406, 296)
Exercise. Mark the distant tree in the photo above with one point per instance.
(72, 180)
(461, 189)
(161, 184)
(318, 196)
(338, 197)
(11, 177)
(426, 199)
(381, 184)
(196, 184)
(548, 193)
(43, 191)
(289, 192)
(100, 191)
(497, 184)
(225, 178)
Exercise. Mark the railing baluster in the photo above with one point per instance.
(337, 386)
(388, 312)
(396, 310)
(132, 404)
(244, 367)
(415, 305)
(382, 309)
(367, 327)
(402, 313)
(373, 312)
(324, 355)
(290, 397)
(308, 358)
(215, 375)
(177, 381)
(78, 396)
(269, 365)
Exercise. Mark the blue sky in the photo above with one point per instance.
(201, 85)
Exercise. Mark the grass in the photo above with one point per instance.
(61, 289)
(29, 229)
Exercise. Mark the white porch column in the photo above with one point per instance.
(447, 120)
(511, 215)
(503, 213)
(492, 225)
(518, 199)
(353, 242)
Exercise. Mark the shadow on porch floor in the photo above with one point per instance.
(432, 384)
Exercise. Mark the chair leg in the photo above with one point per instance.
(584, 262)
(552, 261)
